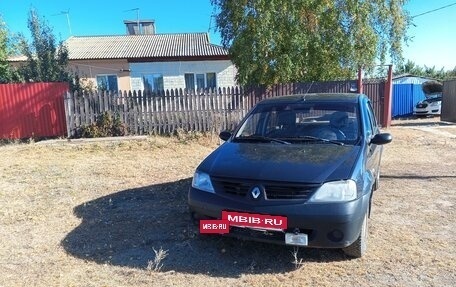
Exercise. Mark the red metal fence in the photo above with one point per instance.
(32, 110)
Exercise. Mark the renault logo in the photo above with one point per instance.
(256, 192)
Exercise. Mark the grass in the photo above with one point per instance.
(156, 264)
(113, 213)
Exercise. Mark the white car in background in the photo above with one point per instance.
(430, 106)
(433, 103)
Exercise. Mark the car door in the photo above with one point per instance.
(373, 151)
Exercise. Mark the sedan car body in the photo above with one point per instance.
(430, 106)
(309, 162)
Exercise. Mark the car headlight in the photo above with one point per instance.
(335, 191)
(434, 104)
(202, 181)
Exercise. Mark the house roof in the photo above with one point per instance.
(410, 79)
(144, 46)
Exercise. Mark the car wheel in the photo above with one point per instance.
(358, 248)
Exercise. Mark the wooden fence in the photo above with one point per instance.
(162, 113)
(204, 111)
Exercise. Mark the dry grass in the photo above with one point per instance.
(90, 214)
(157, 264)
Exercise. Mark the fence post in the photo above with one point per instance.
(360, 80)
(387, 101)
(68, 112)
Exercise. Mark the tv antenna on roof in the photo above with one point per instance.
(67, 13)
(137, 17)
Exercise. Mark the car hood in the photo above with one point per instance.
(430, 100)
(432, 88)
(307, 163)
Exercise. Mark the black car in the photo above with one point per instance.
(298, 170)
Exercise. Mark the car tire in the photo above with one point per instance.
(358, 248)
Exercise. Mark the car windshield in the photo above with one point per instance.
(303, 122)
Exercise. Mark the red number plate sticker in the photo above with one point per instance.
(260, 221)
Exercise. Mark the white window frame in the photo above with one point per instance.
(154, 89)
(195, 82)
(106, 76)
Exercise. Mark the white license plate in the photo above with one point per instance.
(298, 239)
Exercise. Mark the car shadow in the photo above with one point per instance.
(416, 176)
(124, 228)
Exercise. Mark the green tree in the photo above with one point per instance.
(6, 50)
(272, 41)
(4, 67)
(451, 74)
(46, 60)
(411, 67)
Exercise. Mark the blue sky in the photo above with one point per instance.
(433, 36)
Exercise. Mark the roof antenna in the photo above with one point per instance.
(309, 88)
(67, 13)
(210, 23)
(137, 18)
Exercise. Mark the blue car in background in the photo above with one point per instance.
(298, 170)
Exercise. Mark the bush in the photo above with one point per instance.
(105, 126)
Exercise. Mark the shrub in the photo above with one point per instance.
(105, 126)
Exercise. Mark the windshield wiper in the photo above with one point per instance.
(317, 139)
(261, 139)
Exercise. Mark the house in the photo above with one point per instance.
(144, 60)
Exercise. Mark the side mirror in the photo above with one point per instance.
(380, 139)
(225, 135)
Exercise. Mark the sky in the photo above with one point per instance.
(432, 44)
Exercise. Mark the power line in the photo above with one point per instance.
(430, 11)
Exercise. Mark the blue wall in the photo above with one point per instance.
(405, 97)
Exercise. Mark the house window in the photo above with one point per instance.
(189, 81)
(200, 81)
(153, 82)
(210, 80)
(107, 82)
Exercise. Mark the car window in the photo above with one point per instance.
(332, 121)
(252, 124)
(372, 126)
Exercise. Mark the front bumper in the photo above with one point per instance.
(327, 225)
(426, 111)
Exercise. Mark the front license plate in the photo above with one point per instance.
(299, 239)
(258, 221)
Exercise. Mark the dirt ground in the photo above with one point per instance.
(85, 213)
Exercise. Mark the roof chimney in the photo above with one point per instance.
(140, 27)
